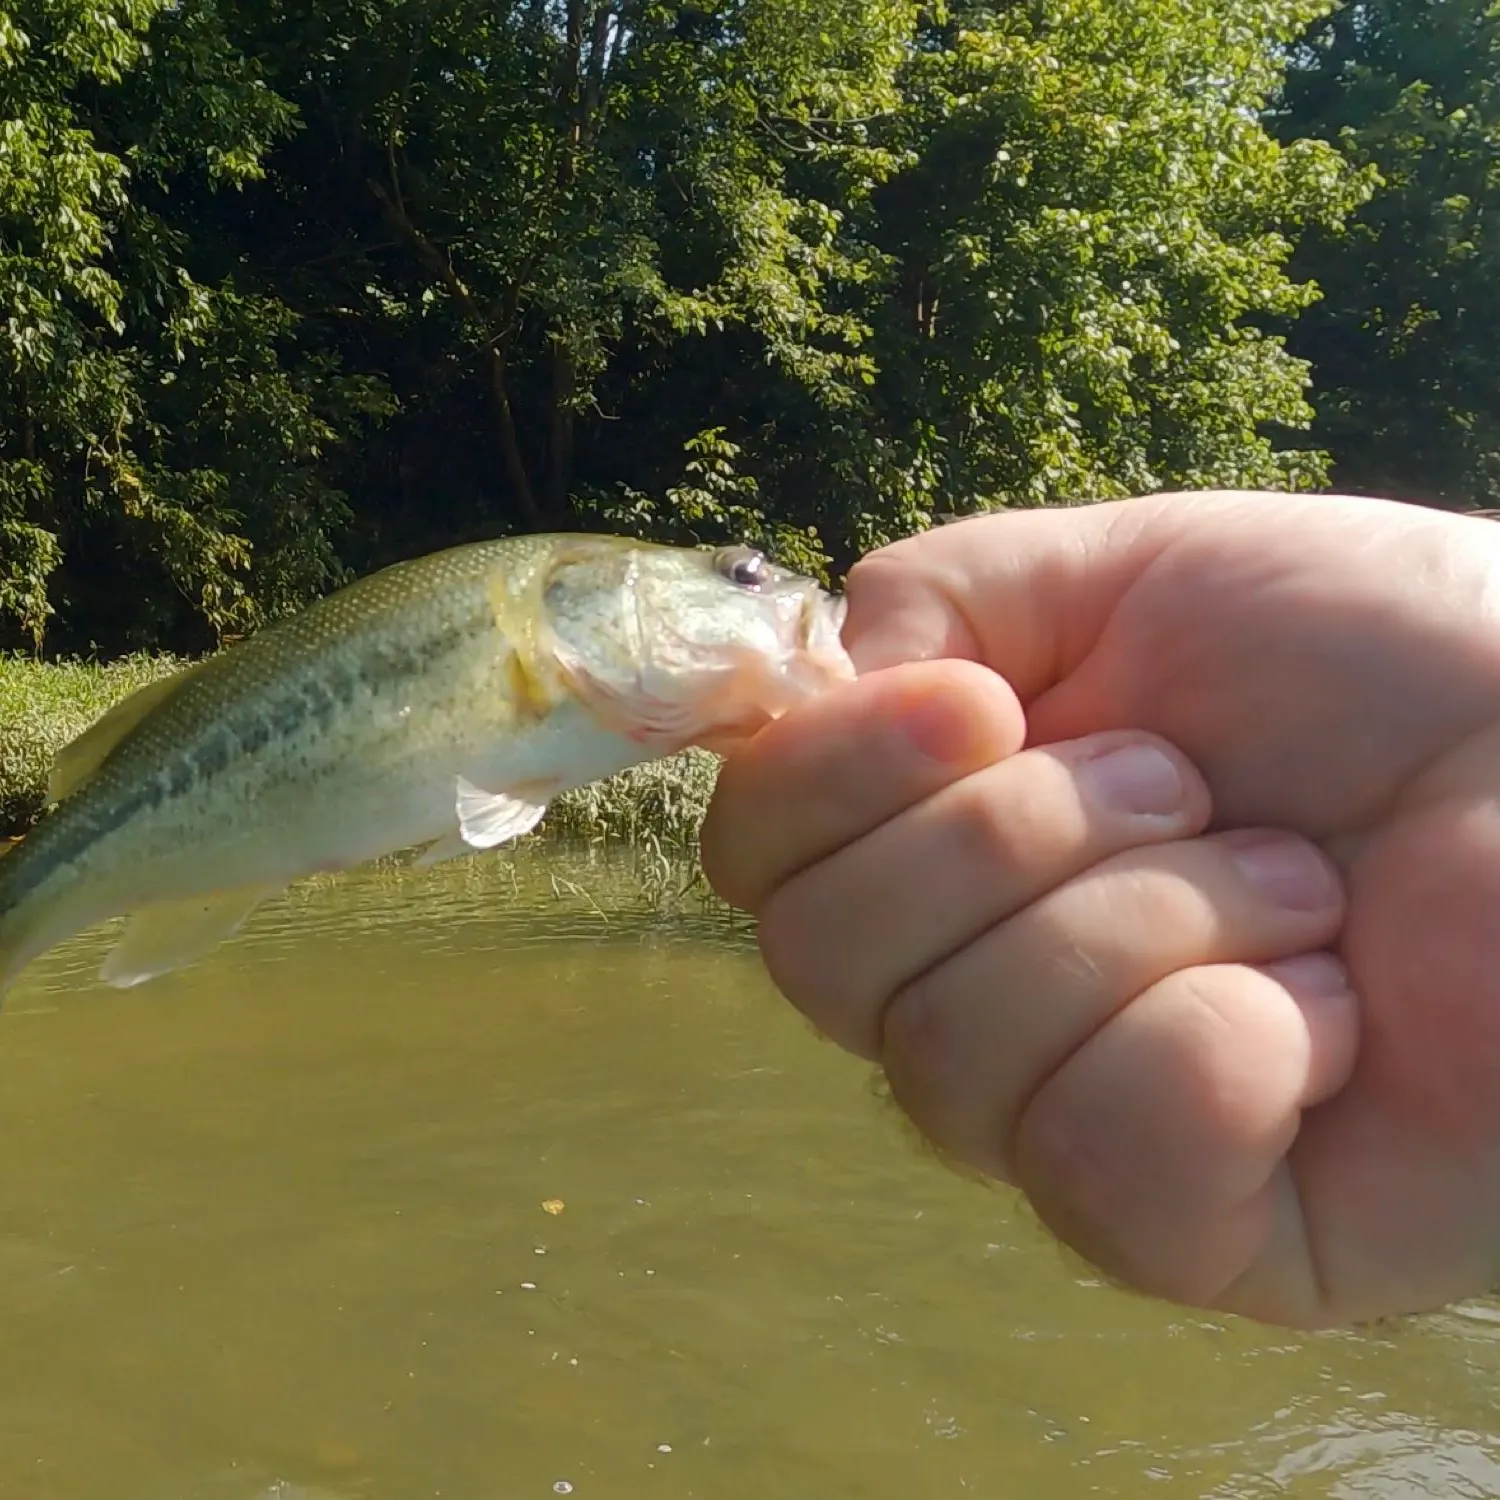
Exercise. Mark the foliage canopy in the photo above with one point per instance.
(289, 289)
(1405, 344)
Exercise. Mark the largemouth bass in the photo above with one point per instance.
(438, 704)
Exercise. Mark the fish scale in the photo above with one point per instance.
(266, 713)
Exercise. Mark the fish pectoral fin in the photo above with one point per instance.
(82, 756)
(486, 819)
(171, 934)
(489, 818)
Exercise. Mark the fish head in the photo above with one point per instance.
(676, 646)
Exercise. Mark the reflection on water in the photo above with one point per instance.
(481, 1184)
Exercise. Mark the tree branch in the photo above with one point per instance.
(493, 351)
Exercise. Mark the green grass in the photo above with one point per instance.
(43, 706)
(656, 808)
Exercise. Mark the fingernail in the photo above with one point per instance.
(1313, 975)
(1285, 870)
(1137, 779)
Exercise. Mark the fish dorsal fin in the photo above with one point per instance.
(171, 934)
(81, 757)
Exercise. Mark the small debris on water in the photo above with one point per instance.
(553, 1205)
(562, 1487)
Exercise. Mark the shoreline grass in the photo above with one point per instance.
(656, 808)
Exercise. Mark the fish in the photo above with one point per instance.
(438, 704)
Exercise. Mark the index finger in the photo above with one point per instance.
(845, 762)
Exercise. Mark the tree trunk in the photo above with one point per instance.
(510, 441)
(560, 432)
(438, 263)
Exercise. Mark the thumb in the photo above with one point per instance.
(1025, 592)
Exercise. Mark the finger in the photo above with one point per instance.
(1157, 1150)
(1029, 592)
(967, 1045)
(1245, 627)
(1026, 592)
(847, 933)
(843, 763)
(1318, 984)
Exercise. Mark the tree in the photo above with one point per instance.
(1063, 244)
(522, 215)
(1405, 344)
(805, 274)
(1091, 230)
(151, 430)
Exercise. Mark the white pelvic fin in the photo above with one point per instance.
(173, 933)
(489, 818)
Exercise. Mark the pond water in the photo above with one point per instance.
(488, 1183)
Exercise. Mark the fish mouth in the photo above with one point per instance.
(815, 661)
(820, 658)
(834, 610)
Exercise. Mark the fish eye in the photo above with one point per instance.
(743, 566)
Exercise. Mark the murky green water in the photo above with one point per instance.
(275, 1228)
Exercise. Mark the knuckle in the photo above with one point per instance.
(722, 849)
(1157, 904)
(917, 1034)
(795, 954)
(1200, 998)
(875, 569)
(1061, 1156)
(999, 829)
(947, 1087)
(818, 968)
(1081, 1168)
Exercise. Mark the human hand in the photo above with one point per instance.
(1106, 1006)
